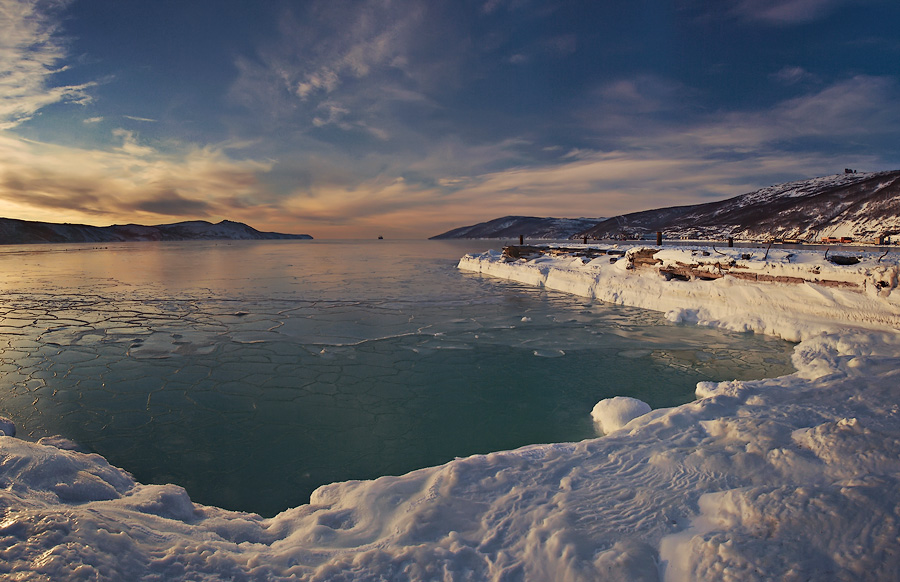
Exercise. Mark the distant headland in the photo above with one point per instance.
(13, 231)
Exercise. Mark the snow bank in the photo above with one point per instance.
(792, 478)
(830, 298)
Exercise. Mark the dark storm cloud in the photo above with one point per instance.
(171, 203)
(53, 191)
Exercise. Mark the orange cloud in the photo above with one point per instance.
(131, 183)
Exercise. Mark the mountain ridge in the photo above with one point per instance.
(856, 205)
(532, 227)
(15, 231)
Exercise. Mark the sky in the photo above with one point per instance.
(406, 118)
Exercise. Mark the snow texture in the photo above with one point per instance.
(791, 478)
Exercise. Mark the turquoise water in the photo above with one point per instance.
(252, 372)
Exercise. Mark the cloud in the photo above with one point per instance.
(769, 12)
(171, 203)
(555, 47)
(324, 79)
(333, 113)
(786, 11)
(660, 162)
(385, 113)
(642, 94)
(355, 74)
(129, 183)
(349, 41)
(359, 67)
(45, 182)
(660, 158)
(863, 107)
(789, 75)
(130, 145)
(590, 184)
(492, 6)
(652, 113)
(561, 45)
(449, 181)
(30, 53)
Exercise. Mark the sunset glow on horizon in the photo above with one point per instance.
(405, 119)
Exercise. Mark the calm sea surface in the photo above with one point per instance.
(252, 372)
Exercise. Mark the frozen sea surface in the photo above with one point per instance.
(253, 372)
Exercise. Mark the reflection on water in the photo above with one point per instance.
(253, 372)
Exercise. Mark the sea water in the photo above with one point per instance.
(253, 372)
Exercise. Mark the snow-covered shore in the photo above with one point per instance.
(792, 478)
(821, 297)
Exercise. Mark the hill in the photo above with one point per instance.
(860, 206)
(863, 206)
(13, 231)
(530, 227)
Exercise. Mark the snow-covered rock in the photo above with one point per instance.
(611, 414)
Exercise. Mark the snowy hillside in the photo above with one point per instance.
(530, 227)
(863, 206)
(14, 231)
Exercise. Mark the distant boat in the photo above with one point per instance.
(380, 238)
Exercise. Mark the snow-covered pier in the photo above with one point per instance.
(786, 293)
